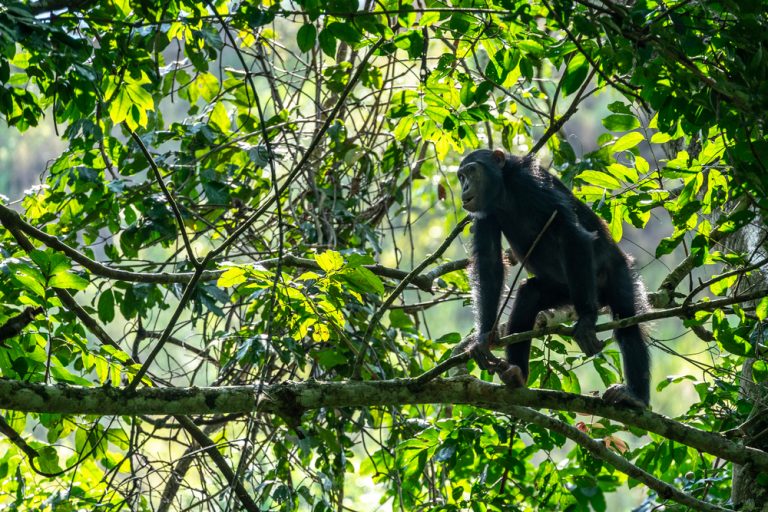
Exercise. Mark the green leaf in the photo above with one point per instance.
(28, 276)
(398, 319)
(48, 459)
(220, 117)
(68, 280)
(329, 261)
(674, 379)
(762, 309)
(616, 226)
(233, 276)
(306, 37)
(329, 358)
(619, 107)
(365, 280)
(403, 128)
(660, 138)
(575, 74)
(667, 245)
(623, 172)
(42, 259)
(140, 97)
(467, 93)
(600, 179)
(760, 371)
(346, 32)
(628, 141)
(621, 122)
(207, 85)
(121, 104)
(327, 43)
(722, 286)
(106, 306)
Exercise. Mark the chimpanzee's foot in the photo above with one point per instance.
(512, 376)
(509, 374)
(620, 394)
(585, 337)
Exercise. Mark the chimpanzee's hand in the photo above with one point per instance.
(584, 334)
(510, 374)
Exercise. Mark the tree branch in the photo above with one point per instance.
(599, 450)
(290, 397)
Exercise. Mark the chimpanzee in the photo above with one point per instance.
(574, 262)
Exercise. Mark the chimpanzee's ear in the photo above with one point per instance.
(499, 157)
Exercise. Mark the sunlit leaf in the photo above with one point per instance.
(68, 280)
(628, 141)
(329, 261)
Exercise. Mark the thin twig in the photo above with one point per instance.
(562, 330)
(399, 289)
(169, 198)
(305, 157)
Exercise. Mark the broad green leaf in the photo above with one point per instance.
(327, 43)
(321, 333)
(600, 179)
(722, 286)
(232, 276)
(403, 128)
(306, 37)
(42, 259)
(106, 306)
(346, 32)
(467, 94)
(207, 85)
(760, 371)
(330, 358)
(29, 276)
(119, 107)
(641, 164)
(575, 74)
(68, 280)
(220, 117)
(140, 97)
(48, 459)
(762, 309)
(621, 122)
(626, 174)
(619, 107)
(628, 141)
(616, 226)
(365, 280)
(329, 261)
(660, 138)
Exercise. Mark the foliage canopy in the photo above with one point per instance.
(247, 189)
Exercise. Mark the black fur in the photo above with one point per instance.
(575, 262)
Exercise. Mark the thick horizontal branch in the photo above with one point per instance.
(291, 399)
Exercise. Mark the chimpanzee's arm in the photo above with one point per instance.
(488, 273)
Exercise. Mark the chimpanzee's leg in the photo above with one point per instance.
(534, 295)
(626, 298)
